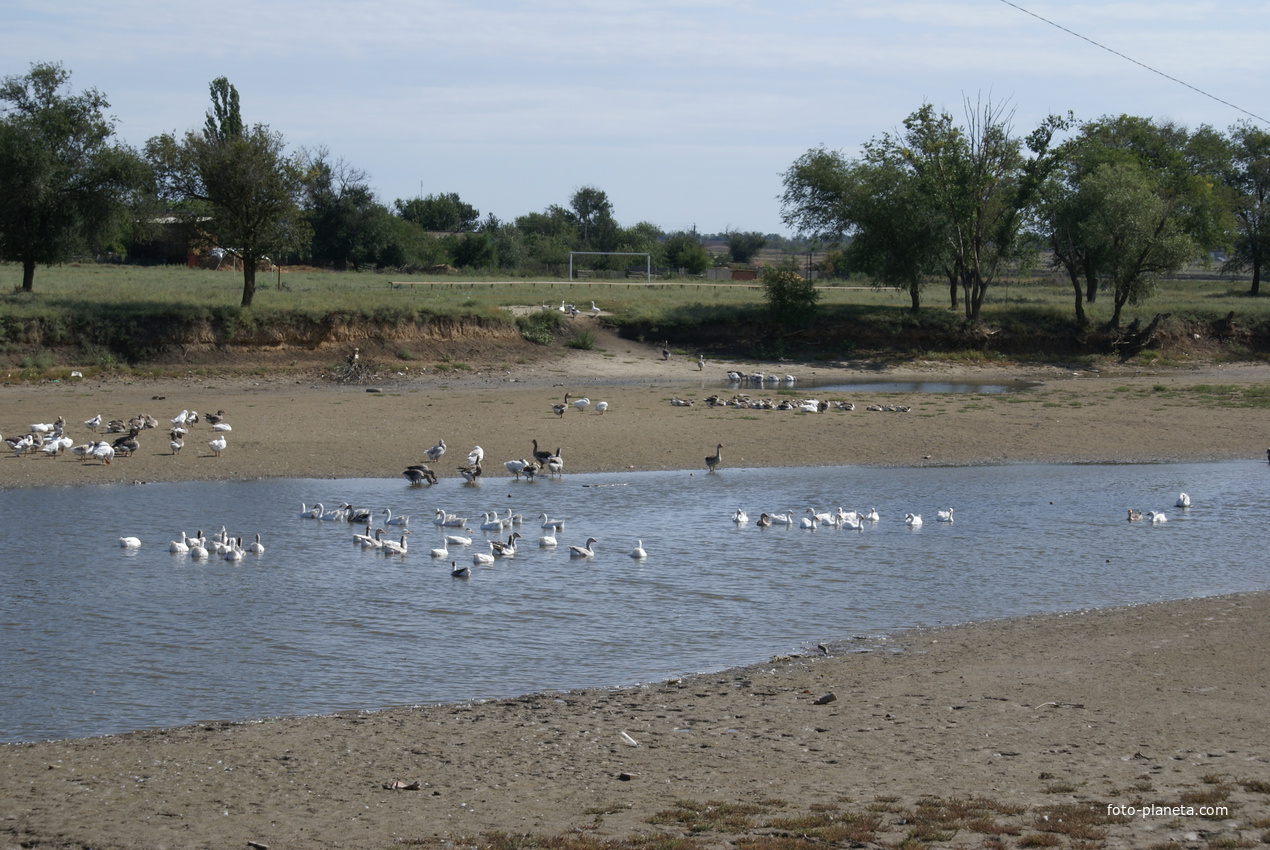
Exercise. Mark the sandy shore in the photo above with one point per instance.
(1017, 733)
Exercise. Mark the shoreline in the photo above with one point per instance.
(1033, 715)
(1004, 729)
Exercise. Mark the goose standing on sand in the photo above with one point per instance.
(581, 403)
(638, 552)
(475, 456)
(434, 453)
(218, 445)
(583, 551)
(94, 423)
(601, 406)
(712, 461)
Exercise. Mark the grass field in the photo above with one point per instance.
(112, 307)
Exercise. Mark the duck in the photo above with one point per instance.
(218, 445)
(583, 551)
(638, 553)
(256, 548)
(1183, 501)
(129, 542)
(913, 520)
(712, 461)
(434, 453)
(944, 516)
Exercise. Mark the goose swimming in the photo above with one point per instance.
(944, 516)
(583, 551)
(256, 548)
(1155, 517)
(740, 517)
(1183, 501)
(129, 543)
(442, 551)
(913, 520)
(483, 558)
(459, 572)
(401, 520)
(638, 552)
(505, 550)
(397, 547)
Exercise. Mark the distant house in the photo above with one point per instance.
(170, 244)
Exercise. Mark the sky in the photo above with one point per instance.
(685, 113)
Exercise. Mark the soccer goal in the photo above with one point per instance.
(648, 259)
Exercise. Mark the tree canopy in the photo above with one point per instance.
(237, 185)
(65, 187)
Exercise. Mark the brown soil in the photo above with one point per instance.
(1018, 733)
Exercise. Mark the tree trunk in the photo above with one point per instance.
(1080, 298)
(1091, 287)
(915, 295)
(28, 275)
(249, 282)
(952, 292)
(1256, 280)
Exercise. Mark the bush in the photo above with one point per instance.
(791, 300)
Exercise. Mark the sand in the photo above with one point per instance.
(1015, 733)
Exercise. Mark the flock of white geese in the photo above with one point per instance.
(456, 531)
(51, 439)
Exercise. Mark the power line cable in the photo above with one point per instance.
(1136, 62)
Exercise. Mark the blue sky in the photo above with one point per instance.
(685, 113)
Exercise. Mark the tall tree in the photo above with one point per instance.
(1249, 179)
(237, 185)
(64, 186)
(594, 211)
(745, 246)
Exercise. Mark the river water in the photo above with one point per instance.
(96, 639)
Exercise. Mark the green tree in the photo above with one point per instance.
(64, 186)
(350, 227)
(744, 247)
(444, 213)
(598, 230)
(684, 250)
(1248, 177)
(239, 186)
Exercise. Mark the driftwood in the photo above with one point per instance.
(1134, 338)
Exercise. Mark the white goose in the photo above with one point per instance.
(402, 520)
(396, 547)
(482, 559)
(198, 549)
(555, 524)
(180, 547)
(505, 550)
(548, 539)
(129, 542)
(459, 539)
(256, 548)
(786, 518)
(516, 467)
(913, 520)
(601, 406)
(1183, 501)
(581, 403)
(638, 552)
(235, 552)
(872, 515)
(944, 516)
(1155, 517)
(218, 445)
(740, 517)
(492, 522)
(583, 551)
(442, 551)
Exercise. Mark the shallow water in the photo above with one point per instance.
(95, 639)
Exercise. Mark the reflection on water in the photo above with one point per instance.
(97, 639)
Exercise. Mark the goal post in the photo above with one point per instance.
(648, 259)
